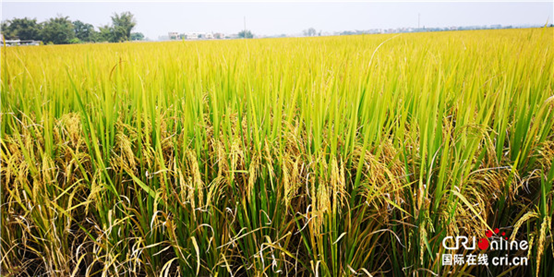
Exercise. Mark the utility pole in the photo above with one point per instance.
(244, 28)
(418, 20)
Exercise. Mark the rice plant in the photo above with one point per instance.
(327, 156)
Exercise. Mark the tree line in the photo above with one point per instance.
(61, 30)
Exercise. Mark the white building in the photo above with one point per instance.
(173, 35)
(18, 42)
(201, 35)
(193, 35)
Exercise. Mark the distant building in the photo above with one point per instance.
(17, 42)
(173, 35)
(195, 35)
(198, 35)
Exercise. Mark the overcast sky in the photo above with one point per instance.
(156, 19)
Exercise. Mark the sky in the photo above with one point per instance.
(274, 18)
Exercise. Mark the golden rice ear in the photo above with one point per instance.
(286, 181)
(547, 155)
(74, 129)
(236, 158)
(127, 157)
(252, 176)
(221, 158)
(546, 224)
(526, 217)
(195, 183)
(292, 179)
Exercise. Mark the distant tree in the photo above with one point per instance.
(6, 30)
(118, 35)
(58, 30)
(122, 25)
(61, 30)
(137, 36)
(75, 41)
(245, 34)
(84, 31)
(105, 33)
(21, 28)
(310, 32)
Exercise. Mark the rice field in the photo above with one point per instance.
(326, 156)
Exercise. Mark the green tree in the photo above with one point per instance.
(245, 34)
(6, 30)
(75, 41)
(122, 26)
(84, 31)
(21, 28)
(105, 33)
(58, 30)
(137, 36)
(310, 32)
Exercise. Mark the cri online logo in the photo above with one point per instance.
(489, 243)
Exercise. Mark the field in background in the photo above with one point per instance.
(331, 156)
